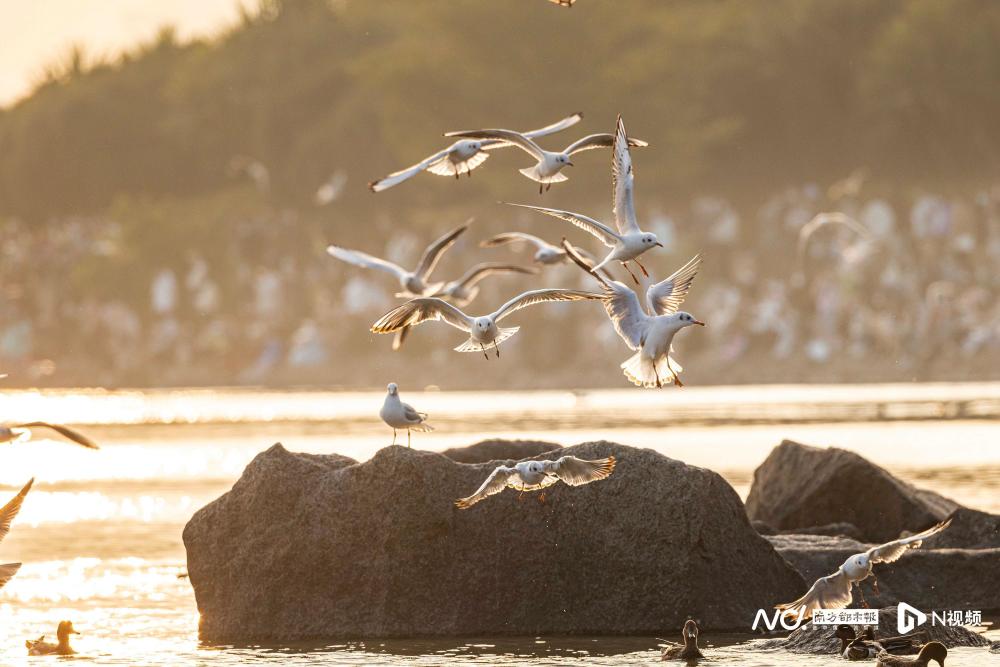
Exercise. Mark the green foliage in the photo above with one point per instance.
(741, 96)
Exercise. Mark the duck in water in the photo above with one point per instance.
(41, 647)
(689, 651)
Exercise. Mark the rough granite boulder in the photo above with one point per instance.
(819, 639)
(307, 547)
(799, 486)
(927, 578)
(500, 450)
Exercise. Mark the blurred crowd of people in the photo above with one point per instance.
(913, 298)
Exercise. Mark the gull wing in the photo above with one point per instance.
(64, 431)
(432, 255)
(890, 552)
(508, 136)
(575, 471)
(558, 126)
(11, 509)
(366, 261)
(486, 269)
(397, 177)
(494, 484)
(665, 297)
(830, 592)
(602, 232)
(7, 572)
(601, 140)
(514, 237)
(542, 296)
(623, 182)
(417, 311)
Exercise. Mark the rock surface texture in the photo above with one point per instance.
(500, 450)
(802, 487)
(321, 547)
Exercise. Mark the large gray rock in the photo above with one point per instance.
(820, 640)
(928, 578)
(322, 547)
(500, 450)
(799, 486)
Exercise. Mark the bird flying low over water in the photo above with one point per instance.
(629, 241)
(19, 432)
(483, 330)
(7, 514)
(651, 336)
(464, 155)
(535, 475)
(401, 415)
(835, 591)
(549, 165)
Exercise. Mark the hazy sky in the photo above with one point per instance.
(34, 33)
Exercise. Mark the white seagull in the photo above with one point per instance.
(534, 475)
(400, 415)
(629, 241)
(651, 336)
(411, 283)
(463, 156)
(464, 290)
(20, 432)
(819, 221)
(7, 514)
(548, 168)
(483, 330)
(836, 590)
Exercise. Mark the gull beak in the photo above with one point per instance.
(659, 244)
(569, 164)
(699, 323)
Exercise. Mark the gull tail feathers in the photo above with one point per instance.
(423, 426)
(643, 372)
(532, 173)
(473, 345)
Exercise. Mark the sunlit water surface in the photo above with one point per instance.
(100, 534)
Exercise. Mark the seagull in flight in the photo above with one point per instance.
(548, 167)
(399, 415)
(835, 591)
(7, 514)
(545, 253)
(464, 290)
(484, 331)
(651, 336)
(20, 432)
(535, 475)
(464, 155)
(628, 241)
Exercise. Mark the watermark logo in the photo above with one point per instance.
(792, 619)
(908, 618)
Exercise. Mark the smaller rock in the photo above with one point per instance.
(969, 529)
(499, 450)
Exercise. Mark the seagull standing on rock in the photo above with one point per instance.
(483, 330)
(535, 475)
(835, 591)
(629, 241)
(463, 156)
(548, 168)
(651, 336)
(401, 415)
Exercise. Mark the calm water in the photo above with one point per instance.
(100, 532)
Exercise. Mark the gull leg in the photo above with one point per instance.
(540, 186)
(541, 497)
(496, 348)
(547, 186)
(644, 271)
(394, 436)
(875, 585)
(677, 377)
(485, 354)
(861, 592)
(659, 385)
(407, 437)
(468, 172)
(625, 264)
